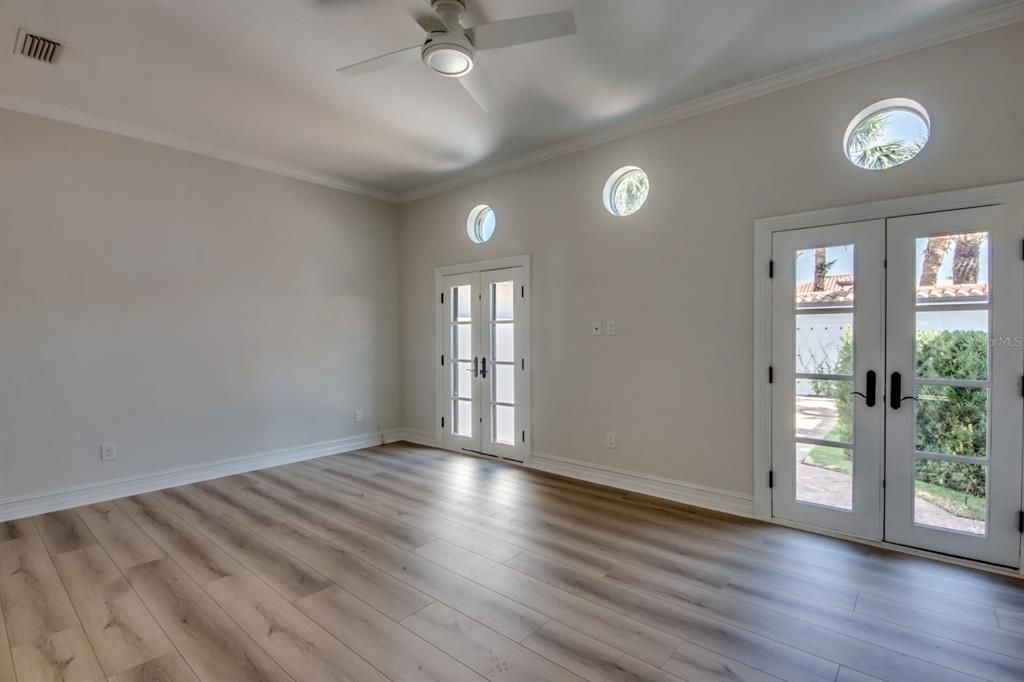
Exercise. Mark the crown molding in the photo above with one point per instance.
(950, 30)
(54, 112)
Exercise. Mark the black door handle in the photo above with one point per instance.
(895, 389)
(483, 368)
(869, 389)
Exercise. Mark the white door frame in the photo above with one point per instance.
(439, 326)
(1010, 195)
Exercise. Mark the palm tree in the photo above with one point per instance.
(866, 154)
(965, 258)
(934, 254)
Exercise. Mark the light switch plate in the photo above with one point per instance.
(610, 328)
(595, 327)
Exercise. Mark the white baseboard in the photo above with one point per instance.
(425, 438)
(656, 486)
(41, 503)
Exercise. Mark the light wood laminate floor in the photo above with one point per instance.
(408, 563)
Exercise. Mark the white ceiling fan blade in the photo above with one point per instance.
(385, 61)
(480, 88)
(530, 29)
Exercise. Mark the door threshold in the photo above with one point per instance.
(997, 569)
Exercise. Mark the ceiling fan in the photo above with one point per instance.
(450, 50)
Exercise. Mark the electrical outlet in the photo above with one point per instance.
(610, 328)
(595, 327)
(358, 416)
(108, 451)
(610, 440)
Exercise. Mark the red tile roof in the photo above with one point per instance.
(838, 290)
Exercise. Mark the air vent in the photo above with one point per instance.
(37, 47)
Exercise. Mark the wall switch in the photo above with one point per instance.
(609, 327)
(358, 416)
(108, 451)
(595, 327)
(610, 440)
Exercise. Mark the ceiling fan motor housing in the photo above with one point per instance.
(449, 53)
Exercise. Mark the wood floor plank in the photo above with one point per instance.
(64, 531)
(63, 656)
(121, 630)
(692, 662)
(301, 646)
(434, 525)
(489, 653)
(389, 647)
(590, 658)
(168, 668)
(6, 660)
(34, 600)
(403, 562)
(17, 529)
(642, 641)
(498, 612)
(1010, 620)
(843, 647)
(193, 551)
(286, 574)
(490, 522)
(967, 632)
(389, 595)
(381, 526)
(125, 543)
(210, 642)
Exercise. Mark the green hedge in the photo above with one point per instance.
(949, 420)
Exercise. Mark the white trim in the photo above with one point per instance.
(425, 438)
(66, 498)
(656, 486)
(1012, 192)
(53, 112)
(946, 31)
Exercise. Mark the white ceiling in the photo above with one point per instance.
(256, 78)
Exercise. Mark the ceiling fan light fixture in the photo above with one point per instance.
(448, 59)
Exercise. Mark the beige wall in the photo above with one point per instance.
(188, 309)
(676, 382)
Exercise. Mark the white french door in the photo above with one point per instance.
(484, 379)
(827, 363)
(897, 363)
(954, 361)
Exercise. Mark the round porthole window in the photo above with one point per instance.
(481, 223)
(887, 134)
(626, 191)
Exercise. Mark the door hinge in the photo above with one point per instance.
(1022, 249)
(442, 360)
(1022, 386)
(771, 374)
(883, 484)
(1020, 521)
(524, 364)
(442, 422)
(771, 269)
(522, 291)
(771, 478)
(524, 435)
(442, 298)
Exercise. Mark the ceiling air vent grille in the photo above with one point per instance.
(37, 47)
